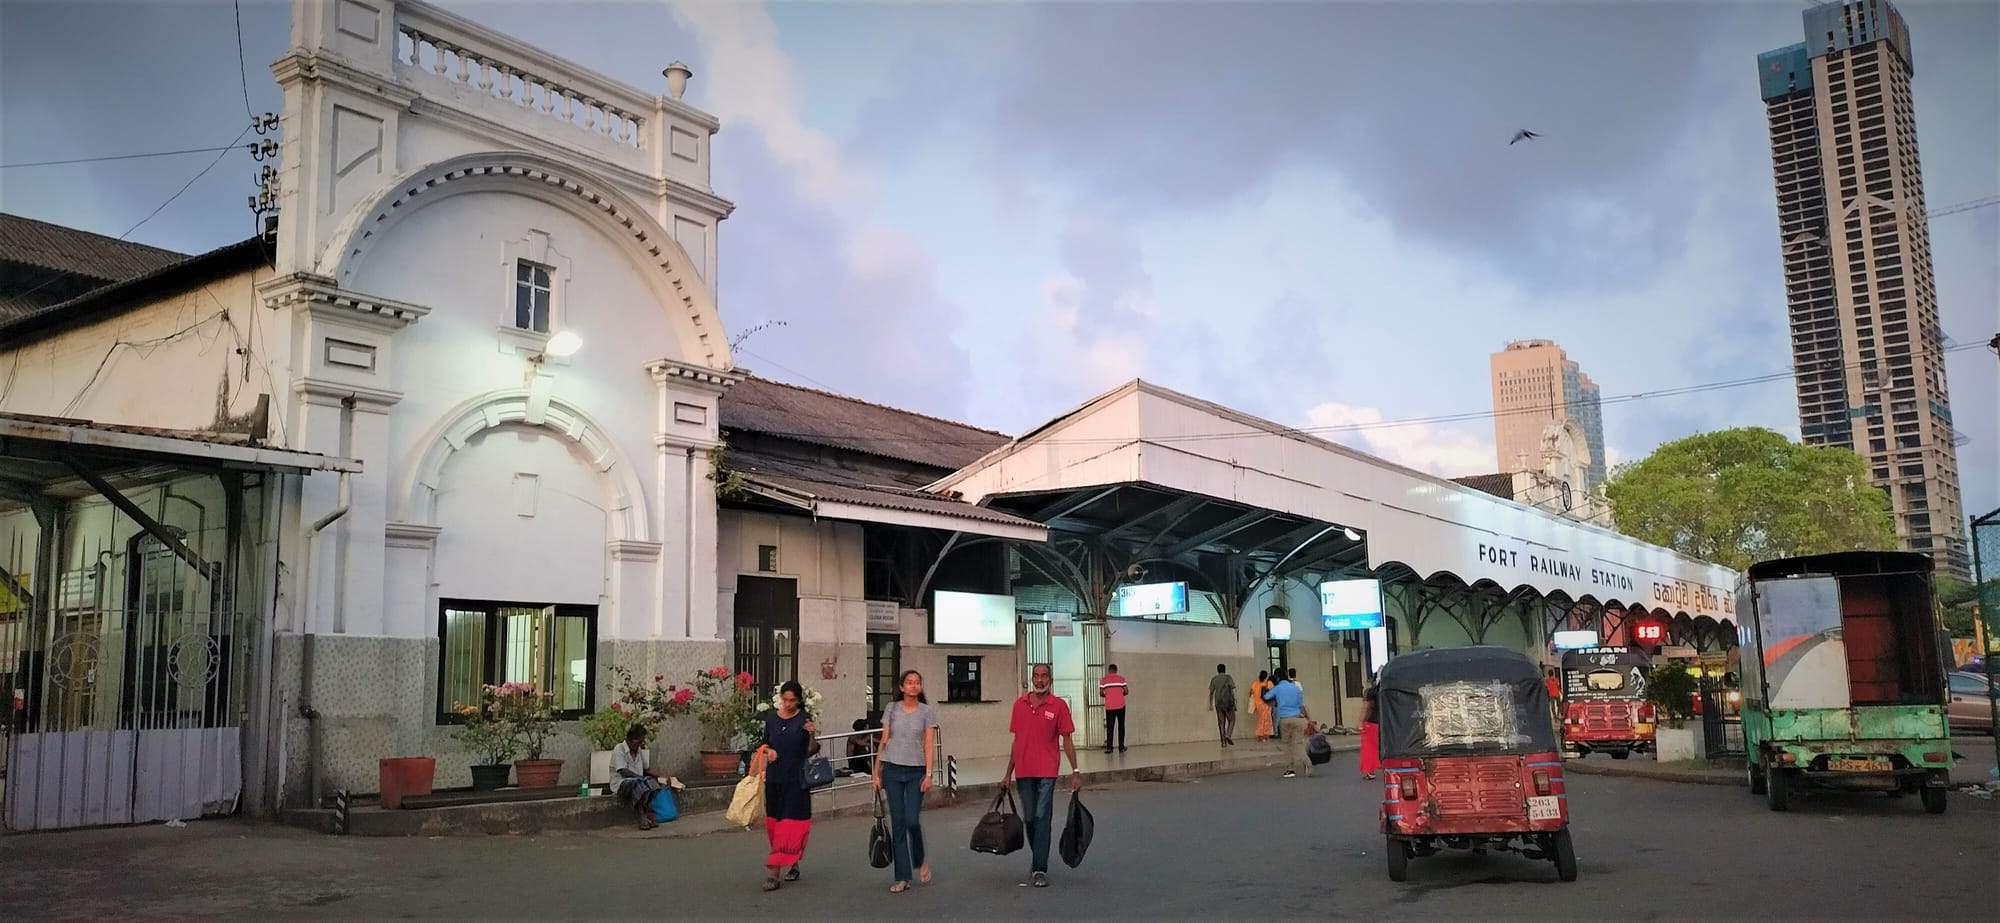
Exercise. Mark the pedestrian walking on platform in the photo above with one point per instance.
(1371, 733)
(1288, 704)
(1222, 700)
(1262, 709)
(1112, 688)
(1039, 722)
(788, 740)
(903, 769)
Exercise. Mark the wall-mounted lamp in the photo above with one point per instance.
(1352, 535)
(563, 345)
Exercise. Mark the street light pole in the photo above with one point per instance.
(1989, 618)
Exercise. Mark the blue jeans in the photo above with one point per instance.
(1038, 811)
(903, 787)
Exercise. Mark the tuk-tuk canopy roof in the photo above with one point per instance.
(1463, 701)
(1446, 664)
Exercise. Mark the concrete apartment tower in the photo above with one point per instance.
(1867, 351)
(1535, 383)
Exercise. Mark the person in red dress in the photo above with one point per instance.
(1371, 755)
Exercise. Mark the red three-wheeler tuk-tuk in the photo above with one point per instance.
(1470, 759)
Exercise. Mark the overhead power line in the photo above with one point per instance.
(109, 157)
(1331, 429)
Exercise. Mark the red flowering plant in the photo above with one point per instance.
(723, 703)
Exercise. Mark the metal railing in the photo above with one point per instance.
(834, 748)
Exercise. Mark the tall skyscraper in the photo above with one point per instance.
(1867, 352)
(1535, 383)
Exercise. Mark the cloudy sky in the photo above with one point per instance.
(991, 211)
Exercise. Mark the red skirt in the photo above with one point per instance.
(1371, 757)
(788, 841)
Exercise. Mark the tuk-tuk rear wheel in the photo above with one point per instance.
(1933, 800)
(1399, 860)
(1565, 855)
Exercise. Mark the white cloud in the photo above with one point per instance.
(1440, 450)
(751, 83)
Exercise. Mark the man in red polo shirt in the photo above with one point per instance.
(1038, 722)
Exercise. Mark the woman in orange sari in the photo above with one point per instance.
(1261, 708)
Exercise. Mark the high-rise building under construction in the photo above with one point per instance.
(1867, 349)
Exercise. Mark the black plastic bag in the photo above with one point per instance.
(878, 838)
(1000, 832)
(1318, 750)
(1077, 831)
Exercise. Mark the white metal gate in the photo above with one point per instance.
(128, 672)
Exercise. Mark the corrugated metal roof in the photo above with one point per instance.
(822, 418)
(73, 430)
(887, 498)
(847, 485)
(61, 249)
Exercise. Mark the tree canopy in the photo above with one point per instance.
(1738, 496)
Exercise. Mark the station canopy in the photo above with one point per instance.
(1145, 476)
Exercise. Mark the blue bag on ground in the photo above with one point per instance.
(663, 807)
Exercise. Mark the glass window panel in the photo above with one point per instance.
(541, 310)
(524, 307)
(524, 271)
(570, 662)
(464, 657)
(521, 646)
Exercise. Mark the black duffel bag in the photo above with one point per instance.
(1318, 750)
(1077, 831)
(1000, 832)
(878, 837)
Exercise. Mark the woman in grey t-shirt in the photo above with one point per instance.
(903, 771)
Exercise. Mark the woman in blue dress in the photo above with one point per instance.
(788, 740)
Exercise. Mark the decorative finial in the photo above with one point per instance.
(677, 75)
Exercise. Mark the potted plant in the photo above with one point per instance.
(720, 702)
(1671, 690)
(605, 728)
(484, 732)
(530, 716)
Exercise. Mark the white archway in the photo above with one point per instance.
(625, 499)
(676, 283)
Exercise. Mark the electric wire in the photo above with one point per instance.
(1328, 429)
(111, 157)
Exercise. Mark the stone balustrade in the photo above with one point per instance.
(444, 47)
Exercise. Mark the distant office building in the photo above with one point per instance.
(1867, 352)
(1534, 384)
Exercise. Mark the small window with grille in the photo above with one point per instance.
(534, 295)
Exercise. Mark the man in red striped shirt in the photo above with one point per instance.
(1112, 687)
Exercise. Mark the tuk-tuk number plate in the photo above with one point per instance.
(1544, 807)
(1859, 765)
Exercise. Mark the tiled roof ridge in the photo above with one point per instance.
(105, 239)
(877, 405)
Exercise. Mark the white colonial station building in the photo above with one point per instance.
(460, 417)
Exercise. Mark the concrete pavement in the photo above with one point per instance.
(1246, 845)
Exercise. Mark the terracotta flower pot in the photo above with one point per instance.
(404, 776)
(719, 764)
(538, 773)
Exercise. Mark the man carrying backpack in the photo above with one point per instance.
(1222, 698)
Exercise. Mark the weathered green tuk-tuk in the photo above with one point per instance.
(1846, 686)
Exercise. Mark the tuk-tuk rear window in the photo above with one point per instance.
(1470, 714)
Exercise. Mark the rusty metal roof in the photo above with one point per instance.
(68, 250)
(773, 408)
(157, 440)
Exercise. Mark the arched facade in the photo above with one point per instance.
(677, 285)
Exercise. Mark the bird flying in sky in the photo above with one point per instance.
(1522, 135)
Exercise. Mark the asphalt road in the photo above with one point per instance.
(1246, 846)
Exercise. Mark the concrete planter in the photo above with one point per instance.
(600, 767)
(1674, 744)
